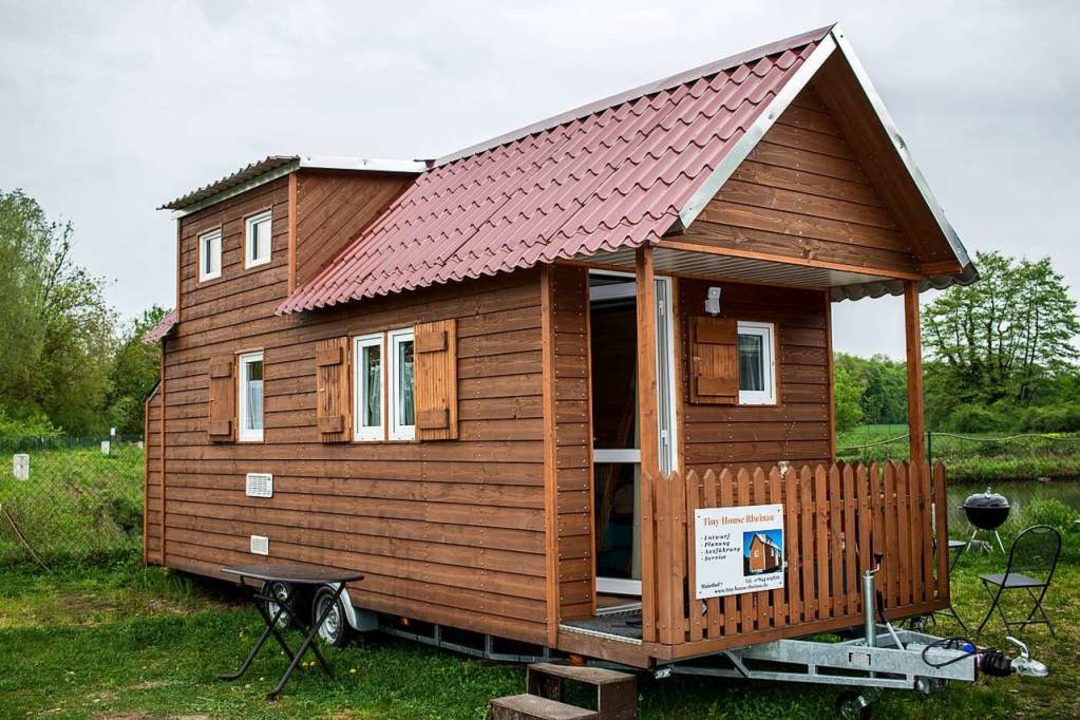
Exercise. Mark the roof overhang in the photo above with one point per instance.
(836, 42)
(277, 166)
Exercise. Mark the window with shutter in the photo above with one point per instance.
(435, 346)
(221, 423)
(334, 403)
(714, 358)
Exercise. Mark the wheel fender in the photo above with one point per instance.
(359, 620)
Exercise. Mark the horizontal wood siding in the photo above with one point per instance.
(802, 193)
(333, 207)
(154, 491)
(797, 429)
(573, 423)
(449, 532)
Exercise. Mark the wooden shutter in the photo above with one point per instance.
(435, 351)
(221, 423)
(714, 361)
(334, 390)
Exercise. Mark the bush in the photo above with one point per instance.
(976, 419)
(1048, 511)
(1052, 418)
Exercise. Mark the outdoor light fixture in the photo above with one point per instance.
(712, 301)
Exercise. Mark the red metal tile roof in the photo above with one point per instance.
(608, 176)
(164, 326)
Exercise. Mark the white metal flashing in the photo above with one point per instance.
(314, 162)
(341, 162)
(753, 135)
(898, 142)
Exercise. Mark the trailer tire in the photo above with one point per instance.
(285, 594)
(335, 630)
(851, 705)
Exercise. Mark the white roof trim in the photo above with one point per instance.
(237, 189)
(901, 147)
(341, 162)
(315, 162)
(753, 135)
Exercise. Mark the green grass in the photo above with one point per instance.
(133, 642)
(974, 457)
(77, 504)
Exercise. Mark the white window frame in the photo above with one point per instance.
(249, 237)
(213, 239)
(767, 332)
(373, 432)
(244, 433)
(394, 338)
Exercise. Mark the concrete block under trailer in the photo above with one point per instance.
(883, 657)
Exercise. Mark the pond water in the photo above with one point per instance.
(1019, 493)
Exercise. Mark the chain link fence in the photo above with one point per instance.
(70, 499)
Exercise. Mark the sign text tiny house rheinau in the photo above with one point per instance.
(739, 549)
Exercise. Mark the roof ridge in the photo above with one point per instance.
(656, 86)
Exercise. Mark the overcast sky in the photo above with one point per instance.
(108, 109)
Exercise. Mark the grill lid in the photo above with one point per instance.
(986, 500)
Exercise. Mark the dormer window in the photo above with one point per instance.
(257, 239)
(210, 255)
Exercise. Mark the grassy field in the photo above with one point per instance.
(77, 503)
(127, 642)
(974, 457)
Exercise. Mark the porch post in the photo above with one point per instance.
(913, 331)
(646, 365)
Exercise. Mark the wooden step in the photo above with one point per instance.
(532, 707)
(616, 692)
(582, 673)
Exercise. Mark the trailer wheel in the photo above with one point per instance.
(285, 595)
(335, 629)
(852, 705)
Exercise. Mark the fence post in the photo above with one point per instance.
(929, 447)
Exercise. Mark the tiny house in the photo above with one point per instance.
(510, 384)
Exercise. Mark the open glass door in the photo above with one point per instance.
(616, 451)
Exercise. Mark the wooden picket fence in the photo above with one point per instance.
(835, 518)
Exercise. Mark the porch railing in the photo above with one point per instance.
(835, 518)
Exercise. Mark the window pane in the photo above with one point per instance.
(751, 362)
(261, 242)
(372, 379)
(253, 396)
(405, 383)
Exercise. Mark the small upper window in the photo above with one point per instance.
(251, 397)
(402, 385)
(257, 239)
(368, 352)
(210, 255)
(757, 364)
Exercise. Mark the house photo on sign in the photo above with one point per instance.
(739, 550)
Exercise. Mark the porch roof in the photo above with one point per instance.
(601, 180)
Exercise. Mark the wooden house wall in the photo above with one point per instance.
(802, 193)
(153, 497)
(334, 206)
(449, 532)
(798, 428)
(573, 432)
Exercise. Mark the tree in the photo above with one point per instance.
(1002, 338)
(134, 372)
(847, 392)
(57, 328)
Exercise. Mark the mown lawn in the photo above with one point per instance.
(131, 642)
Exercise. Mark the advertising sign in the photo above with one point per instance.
(739, 550)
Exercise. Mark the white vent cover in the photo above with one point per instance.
(260, 485)
(260, 545)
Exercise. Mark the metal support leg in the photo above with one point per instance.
(309, 644)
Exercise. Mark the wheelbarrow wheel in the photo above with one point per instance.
(335, 629)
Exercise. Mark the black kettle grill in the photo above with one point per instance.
(987, 511)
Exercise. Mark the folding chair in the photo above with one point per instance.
(1032, 560)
